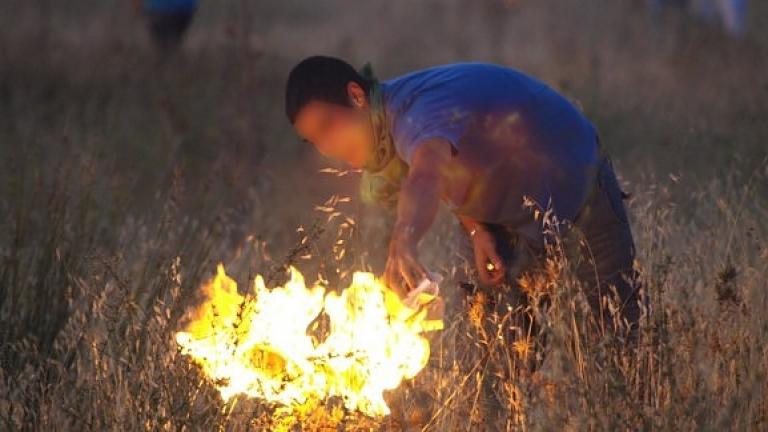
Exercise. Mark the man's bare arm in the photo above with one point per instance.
(417, 206)
(420, 193)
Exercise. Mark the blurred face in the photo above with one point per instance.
(339, 132)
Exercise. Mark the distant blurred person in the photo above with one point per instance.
(656, 8)
(168, 21)
(729, 14)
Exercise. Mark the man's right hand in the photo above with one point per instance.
(489, 265)
(403, 271)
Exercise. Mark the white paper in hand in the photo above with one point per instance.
(427, 291)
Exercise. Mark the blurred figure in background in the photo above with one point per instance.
(729, 14)
(168, 20)
(656, 8)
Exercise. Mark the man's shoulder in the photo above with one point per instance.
(452, 70)
(475, 81)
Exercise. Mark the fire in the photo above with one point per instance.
(258, 345)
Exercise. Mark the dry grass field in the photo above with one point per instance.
(125, 178)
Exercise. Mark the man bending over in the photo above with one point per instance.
(484, 140)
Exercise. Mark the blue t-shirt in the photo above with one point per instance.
(515, 135)
(170, 6)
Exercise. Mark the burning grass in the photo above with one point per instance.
(259, 346)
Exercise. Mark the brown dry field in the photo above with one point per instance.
(125, 178)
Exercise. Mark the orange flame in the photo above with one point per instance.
(257, 345)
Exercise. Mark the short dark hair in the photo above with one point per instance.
(320, 78)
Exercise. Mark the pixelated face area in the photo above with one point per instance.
(342, 133)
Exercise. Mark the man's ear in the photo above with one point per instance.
(357, 96)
